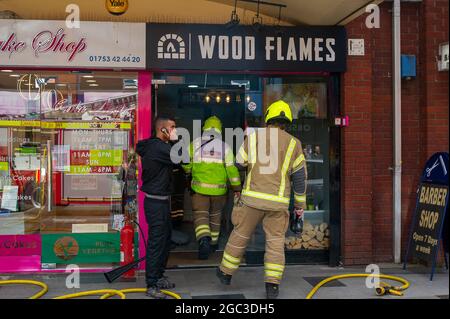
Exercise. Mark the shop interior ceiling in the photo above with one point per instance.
(297, 12)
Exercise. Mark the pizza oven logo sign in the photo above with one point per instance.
(66, 248)
(171, 47)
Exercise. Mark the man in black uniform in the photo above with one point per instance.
(157, 185)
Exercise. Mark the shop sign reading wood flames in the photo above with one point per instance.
(214, 47)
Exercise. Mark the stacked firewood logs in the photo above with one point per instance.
(313, 237)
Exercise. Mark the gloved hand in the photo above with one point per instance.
(189, 184)
(296, 222)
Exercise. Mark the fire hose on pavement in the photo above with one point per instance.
(382, 289)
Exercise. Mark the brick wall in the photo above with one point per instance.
(368, 141)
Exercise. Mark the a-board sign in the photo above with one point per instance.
(427, 229)
(430, 213)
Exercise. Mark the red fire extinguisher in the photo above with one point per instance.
(127, 248)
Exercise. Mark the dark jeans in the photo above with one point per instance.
(157, 213)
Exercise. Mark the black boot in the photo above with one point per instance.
(272, 290)
(204, 248)
(224, 278)
(214, 248)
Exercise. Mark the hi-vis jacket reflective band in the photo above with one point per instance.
(300, 198)
(280, 198)
(230, 262)
(285, 167)
(298, 161)
(206, 185)
(211, 163)
(243, 155)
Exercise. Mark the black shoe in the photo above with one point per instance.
(164, 283)
(155, 293)
(214, 248)
(204, 248)
(224, 278)
(272, 290)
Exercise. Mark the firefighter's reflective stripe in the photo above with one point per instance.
(300, 198)
(214, 235)
(298, 161)
(274, 274)
(273, 270)
(285, 167)
(231, 259)
(230, 262)
(274, 198)
(202, 229)
(252, 158)
(275, 267)
(242, 155)
(206, 185)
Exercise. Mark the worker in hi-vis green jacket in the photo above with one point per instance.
(211, 166)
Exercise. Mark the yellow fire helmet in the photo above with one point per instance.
(279, 110)
(214, 123)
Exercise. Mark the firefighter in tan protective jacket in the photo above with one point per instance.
(266, 194)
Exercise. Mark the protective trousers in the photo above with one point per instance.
(245, 219)
(157, 213)
(207, 211)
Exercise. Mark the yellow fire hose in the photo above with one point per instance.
(28, 282)
(137, 290)
(383, 289)
(110, 292)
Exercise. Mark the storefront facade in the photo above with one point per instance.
(191, 72)
(68, 126)
(78, 136)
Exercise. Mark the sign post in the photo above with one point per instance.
(430, 214)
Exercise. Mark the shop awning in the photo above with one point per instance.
(297, 12)
(308, 12)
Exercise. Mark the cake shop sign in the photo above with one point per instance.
(41, 43)
(45, 42)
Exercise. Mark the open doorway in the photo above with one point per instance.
(186, 104)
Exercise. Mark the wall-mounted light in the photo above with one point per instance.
(218, 98)
(234, 20)
(257, 20)
(207, 99)
(228, 98)
(247, 98)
